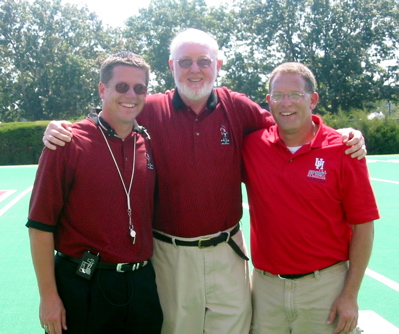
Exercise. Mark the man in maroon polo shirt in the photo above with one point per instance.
(92, 202)
(197, 133)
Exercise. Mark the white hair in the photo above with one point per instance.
(194, 36)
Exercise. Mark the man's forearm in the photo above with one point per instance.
(359, 256)
(52, 313)
(42, 249)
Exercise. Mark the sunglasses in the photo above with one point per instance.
(187, 63)
(123, 87)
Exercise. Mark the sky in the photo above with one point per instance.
(115, 12)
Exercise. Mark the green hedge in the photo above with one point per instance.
(21, 143)
(382, 135)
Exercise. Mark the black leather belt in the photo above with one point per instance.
(302, 275)
(294, 276)
(206, 242)
(119, 267)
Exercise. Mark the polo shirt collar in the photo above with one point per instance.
(110, 132)
(178, 102)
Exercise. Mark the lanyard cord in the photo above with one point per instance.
(127, 192)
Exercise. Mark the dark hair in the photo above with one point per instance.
(125, 58)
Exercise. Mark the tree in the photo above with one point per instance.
(49, 54)
(343, 42)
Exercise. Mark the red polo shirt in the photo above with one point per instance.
(198, 160)
(79, 196)
(302, 205)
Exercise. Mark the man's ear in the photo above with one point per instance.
(101, 89)
(219, 64)
(171, 66)
(314, 99)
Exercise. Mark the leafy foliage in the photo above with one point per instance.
(343, 42)
(382, 134)
(50, 52)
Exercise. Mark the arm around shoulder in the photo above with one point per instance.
(355, 140)
(57, 134)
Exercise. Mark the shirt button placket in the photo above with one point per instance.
(197, 130)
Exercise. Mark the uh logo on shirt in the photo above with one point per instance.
(319, 174)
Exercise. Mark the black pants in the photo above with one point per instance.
(111, 302)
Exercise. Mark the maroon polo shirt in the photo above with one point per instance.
(79, 196)
(198, 159)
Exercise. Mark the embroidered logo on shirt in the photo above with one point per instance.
(319, 164)
(318, 175)
(225, 136)
(150, 165)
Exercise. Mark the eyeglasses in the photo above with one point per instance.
(123, 87)
(187, 63)
(294, 97)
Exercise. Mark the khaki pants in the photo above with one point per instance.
(296, 306)
(203, 290)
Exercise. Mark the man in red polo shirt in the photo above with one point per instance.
(312, 210)
(197, 133)
(92, 202)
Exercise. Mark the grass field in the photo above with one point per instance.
(379, 295)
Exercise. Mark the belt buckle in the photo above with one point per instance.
(119, 267)
(201, 241)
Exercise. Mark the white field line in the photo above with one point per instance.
(381, 180)
(15, 200)
(18, 166)
(382, 279)
(6, 194)
(371, 322)
(371, 160)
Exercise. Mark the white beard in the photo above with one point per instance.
(194, 94)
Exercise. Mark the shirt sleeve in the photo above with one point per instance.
(359, 201)
(40, 226)
(254, 116)
(49, 190)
